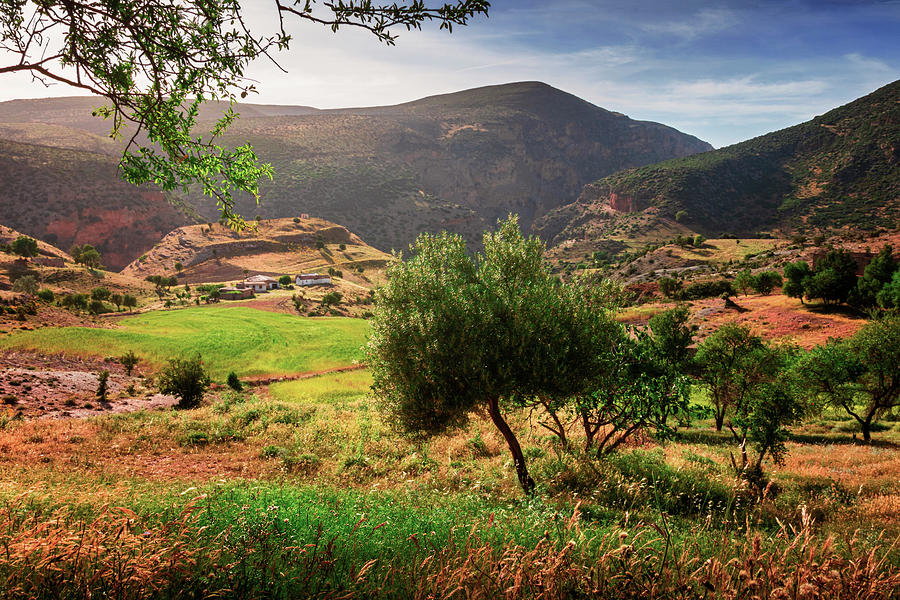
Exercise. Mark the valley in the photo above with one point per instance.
(688, 358)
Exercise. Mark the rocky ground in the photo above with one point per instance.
(34, 385)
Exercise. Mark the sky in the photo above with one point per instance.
(723, 71)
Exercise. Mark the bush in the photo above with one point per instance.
(707, 289)
(186, 379)
(234, 382)
(26, 284)
(129, 360)
(102, 385)
(46, 295)
(284, 280)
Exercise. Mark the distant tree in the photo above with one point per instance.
(669, 287)
(342, 246)
(766, 281)
(186, 379)
(285, 280)
(889, 295)
(731, 361)
(96, 307)
(860, 375)
(24, 246)
(100, 293)
(878, 273)
(46, 295)
(833, 279)
(26, 284)
(129, 301)
(331, 299)
(796, 275)
(129, 361)
(699, 240)
(86, 255)
(744, 281)
(681, 215)
(298, 301)
(102, 385)
(75, 301)
(179, 266)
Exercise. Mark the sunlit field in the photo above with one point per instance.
(229, 338)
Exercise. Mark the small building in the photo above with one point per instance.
(259, 283)
(305, 279)
(235, 293)
(304, 215)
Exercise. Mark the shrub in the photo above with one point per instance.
(24, 246)
(26, 284)
(46, 295)
(100, 293)
(186, 379)
(284, 280)
(129, 360)
(102, 385)
(234, 382)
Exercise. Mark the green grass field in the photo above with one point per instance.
(230, 338)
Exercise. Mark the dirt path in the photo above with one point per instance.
(265, 380)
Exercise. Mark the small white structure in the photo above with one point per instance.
(260, 283)
(304, 279)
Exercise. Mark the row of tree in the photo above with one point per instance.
(834, 280)
(455, 333)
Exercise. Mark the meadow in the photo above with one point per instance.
(303, 488)
(229, 338)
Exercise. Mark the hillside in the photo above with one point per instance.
(215, 253)
(840, 170)
(456, 161)
(67, 197)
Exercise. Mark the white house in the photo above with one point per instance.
(304, 279)
(260, 283)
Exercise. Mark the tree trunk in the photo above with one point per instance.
(515, 449)
(866, 427)
(720, 420)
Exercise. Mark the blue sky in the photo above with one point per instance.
(723, 71)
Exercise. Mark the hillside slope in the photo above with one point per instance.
(456, 161)
(67, 197)
(215, 253)
(839, 170)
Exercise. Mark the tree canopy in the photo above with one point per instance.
(156, 62)
(453, 333)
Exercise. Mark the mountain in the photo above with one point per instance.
(839, 171)
(456, 161)
(215, 253)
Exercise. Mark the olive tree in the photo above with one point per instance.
(453, 333)
(640, 384)
(860, 375)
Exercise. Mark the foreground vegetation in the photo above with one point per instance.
(307, 491)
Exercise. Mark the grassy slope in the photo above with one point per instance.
(230, 338)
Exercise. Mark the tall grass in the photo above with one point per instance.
(252, 541)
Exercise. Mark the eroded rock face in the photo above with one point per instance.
(66, 197)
